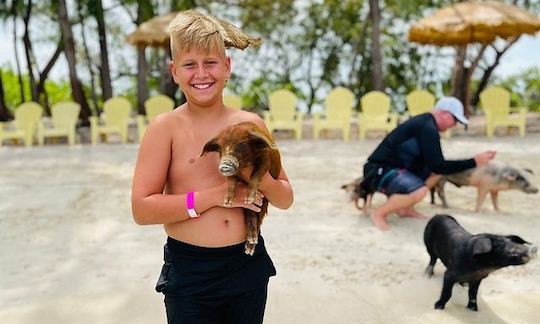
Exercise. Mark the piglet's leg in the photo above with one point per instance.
(255, 180)
(231, 191)
(252, 233)
(473, 291)
(494, 199)
(480, 198)
(251, 223)
(446, 293)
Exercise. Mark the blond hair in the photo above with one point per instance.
(192, 29)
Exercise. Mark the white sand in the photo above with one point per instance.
(71, 253)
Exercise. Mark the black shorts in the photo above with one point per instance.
(214, 285)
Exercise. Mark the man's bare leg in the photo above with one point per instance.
(394, 203)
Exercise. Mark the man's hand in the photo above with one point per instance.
(484, 157)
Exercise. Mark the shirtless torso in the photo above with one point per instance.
(175, 167)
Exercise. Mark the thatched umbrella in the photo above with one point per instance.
(472, 22)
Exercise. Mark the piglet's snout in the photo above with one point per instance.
(532, 251)
(228, 165)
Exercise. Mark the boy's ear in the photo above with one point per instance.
(211, 146)
(228, 66)
(172, 68)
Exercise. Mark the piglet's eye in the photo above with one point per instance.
(241, 147)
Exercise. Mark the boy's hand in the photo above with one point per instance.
(240, 197)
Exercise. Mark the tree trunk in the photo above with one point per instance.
(142, 88)
(459, 76)
(376, 56)
(17, 60)
(69, 51)
(5, 114)
(487, 72)
(30, 59)
(104, 69)
(88, 59)
(40, 87)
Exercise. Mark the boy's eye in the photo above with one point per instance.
(188, 65)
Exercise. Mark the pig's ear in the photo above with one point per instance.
(482, 245)
(529, 170)
(211, 146)
(510, 174)
(517, 239)
(262, 138)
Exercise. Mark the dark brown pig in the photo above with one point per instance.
(241, 146)
(490, 178)
(470, 258)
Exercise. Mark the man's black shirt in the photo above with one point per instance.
(415, 146)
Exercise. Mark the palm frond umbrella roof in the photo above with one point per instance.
(473, 22)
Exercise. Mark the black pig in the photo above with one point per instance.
(470, 258)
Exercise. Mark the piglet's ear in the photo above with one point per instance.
(262, 138)
(211, 146)
(517, 239)
(482, 245)
(510, 174)
(529, 170)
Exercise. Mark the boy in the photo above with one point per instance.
(207, 277)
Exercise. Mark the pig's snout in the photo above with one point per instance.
(531, 189)
(532, 251)
(228, 166)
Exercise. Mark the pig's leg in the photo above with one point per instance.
(431, 265)
(446, 293)
(255, 180)
(480, 198)
(231, 191)
(473, 291)
(252, 235)
(494, 199)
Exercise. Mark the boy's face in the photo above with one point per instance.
(201, 76)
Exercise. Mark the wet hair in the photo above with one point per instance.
(192, 29)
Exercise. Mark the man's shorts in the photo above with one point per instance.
(403, 182)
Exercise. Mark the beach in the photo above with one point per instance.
(71, 252)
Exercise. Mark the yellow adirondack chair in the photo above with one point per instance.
(27, 117)
(64, 116)
(282, 112)
(114, 119)
(496, 104)
(419, 102)
(338, 111)
(376, 113)
(153, 106)
(232, 101)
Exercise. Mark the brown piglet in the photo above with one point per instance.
(241, 146)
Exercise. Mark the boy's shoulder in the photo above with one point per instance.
(238, 116)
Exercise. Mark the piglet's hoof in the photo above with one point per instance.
(439, 305)
(253, 239)
(228, 201)
(472, 306)
(249, 249)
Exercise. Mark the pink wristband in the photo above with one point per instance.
(190, 204)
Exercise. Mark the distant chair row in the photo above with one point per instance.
(114, 119)
(339, 109)
(495, 102)
(376, 113)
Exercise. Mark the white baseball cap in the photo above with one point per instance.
(453, 106)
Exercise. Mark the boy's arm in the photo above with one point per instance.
(149, 204)
(278, 191)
